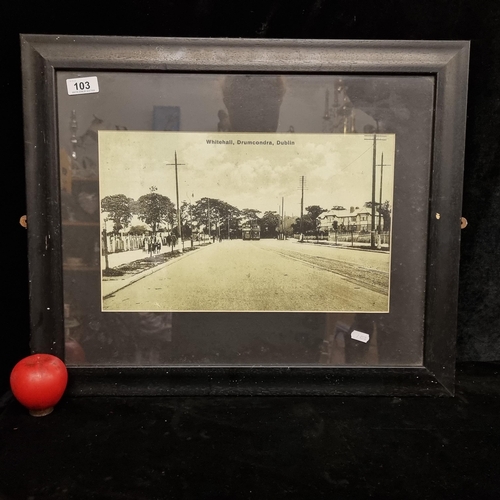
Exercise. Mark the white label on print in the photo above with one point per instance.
(362, 337)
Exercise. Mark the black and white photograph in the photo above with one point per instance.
(202, 222)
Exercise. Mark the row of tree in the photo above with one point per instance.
(159, 213)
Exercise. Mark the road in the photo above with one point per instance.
(265, 275)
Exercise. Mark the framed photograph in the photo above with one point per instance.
(245, 217)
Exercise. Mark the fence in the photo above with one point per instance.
(125, 243)
(358, 239)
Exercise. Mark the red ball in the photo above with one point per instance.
(38, 382)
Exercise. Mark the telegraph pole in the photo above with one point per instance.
(105, 244)
(302, 210)
(380, 196)
(279, 222)
(209, 222)
(374, 174)
(191, 217)
(177, 195)
(283, 217)
(382, 165)
(374, 171)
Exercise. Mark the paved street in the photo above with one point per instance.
(265, 275)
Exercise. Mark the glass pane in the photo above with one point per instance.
(313, 232)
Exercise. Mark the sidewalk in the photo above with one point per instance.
(112, 285)
(357, 246)
(119, 258)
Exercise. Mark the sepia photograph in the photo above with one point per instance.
(245, 222)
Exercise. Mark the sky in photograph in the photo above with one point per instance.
(337, 168)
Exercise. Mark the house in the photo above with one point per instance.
(326, 221)
(358, 219)
(355, 219)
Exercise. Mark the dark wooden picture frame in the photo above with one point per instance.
(43, 56)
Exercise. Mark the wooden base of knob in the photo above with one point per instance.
(41, 413)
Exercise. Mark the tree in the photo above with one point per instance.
(313, 212)
(309, 222)
(250, 214)
(137, 230)
(154, 208)
(269, 224)
(228, 217)
(118, 207)
(288, 223)
(234, 218)
(186, 213)
(200, 212)
(308, 225)
(220, 213)
(385, 212)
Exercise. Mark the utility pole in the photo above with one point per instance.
(191, 217)
(209, 222)
(282, 217)
(382, 165)
(374, 174)
(284, 233)
(380, 196)
(301, 238)
(105, 245)
(177, 195)
(279, 222)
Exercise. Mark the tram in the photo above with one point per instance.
(250, 232)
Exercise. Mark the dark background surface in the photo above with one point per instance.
(445, 454)
(479, 318)
(259, 448)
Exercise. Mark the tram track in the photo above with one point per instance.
(372, 279)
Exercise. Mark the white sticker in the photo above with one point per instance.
(86, 85)
(362, 337)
